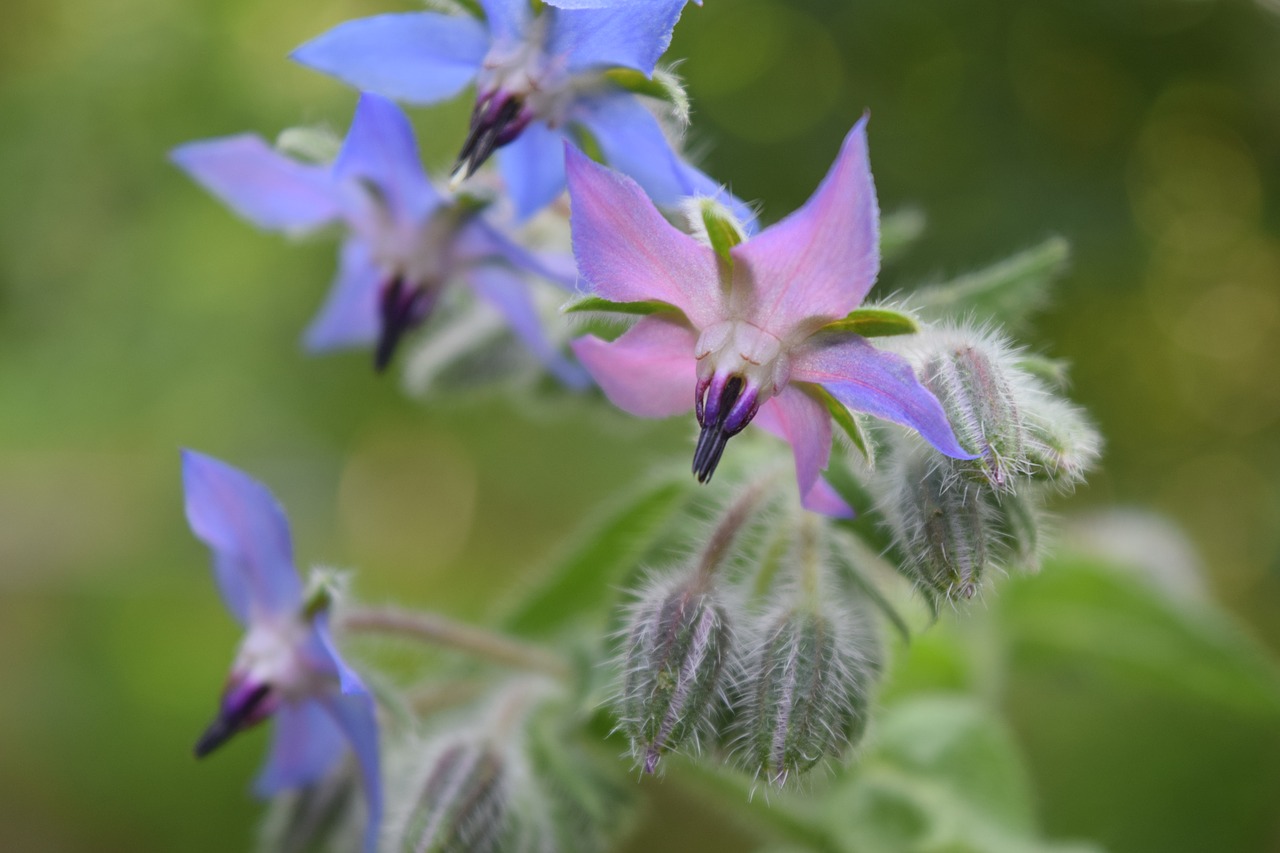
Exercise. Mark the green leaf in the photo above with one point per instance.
(943, 775)
(601, 305)
(587, 576)
(875, 322)
(1096, 616)
(850, 558)
(1009, 291)
(844, 418)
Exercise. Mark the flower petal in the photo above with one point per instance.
(805, 424)
(247, 531)
(356, 716)
(481, 242)
(633, 35)
(879, 383)
(259, 183)
(505, 290)
(380, 147)
(532, 167)
(305, 746)
(506, 18)
(417, 57)
(649, 371)
(629, 253)
(633, 143)
(822, 259)
(350, 316)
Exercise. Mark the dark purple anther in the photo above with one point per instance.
(723, 412)
(497, 119)
(241, 708)
(401, 307)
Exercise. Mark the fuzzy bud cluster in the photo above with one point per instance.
(676, 649)
(804, 690)
(953, 520)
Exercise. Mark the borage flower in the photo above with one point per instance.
(287, 666)
(539, 75)
(759, 331)
(404, 241)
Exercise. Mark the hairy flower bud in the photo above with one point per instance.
(463, 803)
(941, 523)
(676, 645)
(1062, 445)
(805, 690)
(974, 382)
(327, 816)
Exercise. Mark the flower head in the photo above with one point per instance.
(287, 666)
(405, 242)
(540, 75)
(750, 333)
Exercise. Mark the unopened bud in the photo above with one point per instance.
(1018, 519)
(974, 382)
(805, 691)
(463, 802)
(327, 815)
(941, 523)
(676, 646)
(1062, 445)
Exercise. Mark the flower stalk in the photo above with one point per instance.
(450, 633)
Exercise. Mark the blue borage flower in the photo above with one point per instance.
(540, 75)
(404, 242)
(287, 667)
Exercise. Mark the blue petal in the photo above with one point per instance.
(259, 183)
(532, 166)
(380, 147)
(634, 35)
(632, 142)
(503, 288)
(417, 57)
(879, 383)
(506, 18)
(247, 531)
(355, 714)
(305, 746)
(349, 681)
(480, 242)
(349, 317)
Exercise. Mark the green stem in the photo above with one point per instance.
(443, 631)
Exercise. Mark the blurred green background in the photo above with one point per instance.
(138, 316)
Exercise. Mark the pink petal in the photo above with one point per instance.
(822, 259)
(802, 421)
(629, 253)
(650, 371)
(879, 383)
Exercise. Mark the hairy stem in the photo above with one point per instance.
(720, 542)
(442, 631)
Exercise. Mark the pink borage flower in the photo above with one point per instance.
(759, 332)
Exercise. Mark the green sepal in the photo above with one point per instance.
(663, 85)
(875, 323)
(317, 145)
(598, 304)
(588, 575)
(845, 419)
(587, 142)
(722, 229)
